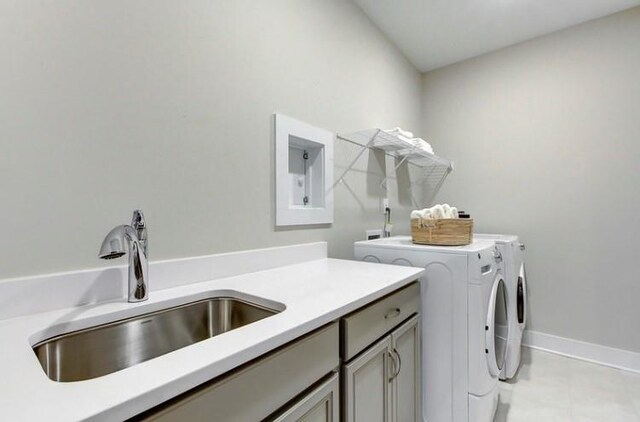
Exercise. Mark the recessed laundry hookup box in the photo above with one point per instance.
(304, 172)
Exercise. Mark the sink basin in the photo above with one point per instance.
(101, 350)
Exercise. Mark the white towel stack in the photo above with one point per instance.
(407, 136)
(400, 132)
(436, 212)
(423, 145)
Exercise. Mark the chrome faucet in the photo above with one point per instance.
(132, 238)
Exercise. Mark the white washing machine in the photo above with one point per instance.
(463, 295)
(512, 253)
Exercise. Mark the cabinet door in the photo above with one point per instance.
(320, 405)
(367, 385)
(405, 388)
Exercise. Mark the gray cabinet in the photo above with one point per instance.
(382, 384)
(322, 404)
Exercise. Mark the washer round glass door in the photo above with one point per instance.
(497, 327)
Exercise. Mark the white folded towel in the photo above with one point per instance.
(422, 144)
(400, 131)
(437, 211)
(407, 139)
(446, 210)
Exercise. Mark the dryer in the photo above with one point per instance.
(463, 301)
(512, 256)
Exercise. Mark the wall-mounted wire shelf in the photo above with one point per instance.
(434, 169)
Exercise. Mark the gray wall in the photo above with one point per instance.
(110, 105)
(546, 140)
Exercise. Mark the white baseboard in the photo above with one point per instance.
(590, 352)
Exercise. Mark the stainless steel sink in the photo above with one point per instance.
(108, 348)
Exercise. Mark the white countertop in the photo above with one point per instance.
(314, 293)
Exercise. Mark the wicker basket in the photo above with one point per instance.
(443, 232)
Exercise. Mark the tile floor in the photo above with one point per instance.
(551, 388)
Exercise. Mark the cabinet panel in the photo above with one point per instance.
(405, 345)
(367, 386)
(255, 392)
(321, 405)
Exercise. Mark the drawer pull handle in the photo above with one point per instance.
(392, 313)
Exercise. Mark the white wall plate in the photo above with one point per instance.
(304, 173)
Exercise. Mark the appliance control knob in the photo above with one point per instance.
(522, 247)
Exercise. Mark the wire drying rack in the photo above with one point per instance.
(433, 170)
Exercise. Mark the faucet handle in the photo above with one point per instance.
(137, 221)
(139, 224)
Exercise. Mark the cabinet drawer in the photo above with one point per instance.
(259, 389)
(366, 325)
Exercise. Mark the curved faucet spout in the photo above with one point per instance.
(133, 239)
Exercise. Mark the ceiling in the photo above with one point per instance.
(435, 33)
